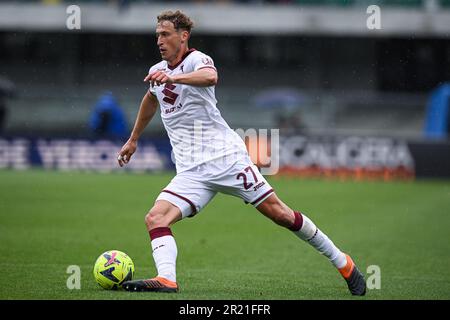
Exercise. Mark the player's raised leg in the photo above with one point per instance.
(305, 229)
(158, 221)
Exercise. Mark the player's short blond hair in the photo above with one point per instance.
(178, 18)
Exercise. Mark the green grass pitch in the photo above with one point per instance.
(50, 220)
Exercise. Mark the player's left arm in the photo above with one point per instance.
(204, 77)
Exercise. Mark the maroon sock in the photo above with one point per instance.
(298, 222)
(160, 232)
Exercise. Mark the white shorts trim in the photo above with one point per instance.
(260, 199)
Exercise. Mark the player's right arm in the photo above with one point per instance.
(146, 112)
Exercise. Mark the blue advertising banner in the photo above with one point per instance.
(82, 154)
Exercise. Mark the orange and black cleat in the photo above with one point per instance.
(157, 284)
(353, 277)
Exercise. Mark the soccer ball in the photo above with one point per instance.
(112, 268)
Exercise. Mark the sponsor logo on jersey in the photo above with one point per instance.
(173, 109)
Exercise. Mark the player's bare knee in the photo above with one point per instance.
(163, 214)
(155, 218)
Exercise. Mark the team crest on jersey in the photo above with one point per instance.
(169, 95)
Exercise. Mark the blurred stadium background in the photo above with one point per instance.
(351, 103)
(311, 68)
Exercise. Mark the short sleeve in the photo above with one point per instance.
(201, 61)
(152, 89)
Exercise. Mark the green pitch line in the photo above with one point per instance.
(50, 220)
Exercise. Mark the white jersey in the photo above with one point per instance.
(195, 127)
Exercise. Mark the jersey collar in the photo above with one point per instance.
(182, 59)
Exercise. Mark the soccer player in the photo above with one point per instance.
(209, 157)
